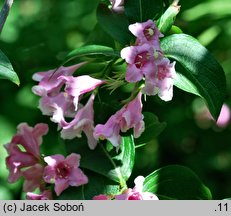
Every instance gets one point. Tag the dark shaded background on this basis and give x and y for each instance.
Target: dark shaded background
(39, 33)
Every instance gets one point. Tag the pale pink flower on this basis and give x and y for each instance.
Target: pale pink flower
(76, 86)
(59, 107)
(161, 82)
(140, 60)
(49, 84)
(83, 121)
(137, 192)
(146, 33)
(45, 195)
(205, 120)
(29, 139)
(224, 117)
(130, 116)
(64, 172)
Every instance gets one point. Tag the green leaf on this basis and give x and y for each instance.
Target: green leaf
(6, 69)
(202, 74)
(167, 19)
(91, 50)
(152, 128)
(105, 160)
(142, 10)
(177, 183)
(115, 24)
(97, 184)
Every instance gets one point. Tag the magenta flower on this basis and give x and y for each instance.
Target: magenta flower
(76, 86)
(49, 84)
(30, 139)
(64, 172)
(146, 33)
(45, 195)
(83, 121)
(140, 60)
(137, 192)
(33, 178)
(129, 116)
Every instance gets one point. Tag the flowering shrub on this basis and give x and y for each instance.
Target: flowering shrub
(100, 123)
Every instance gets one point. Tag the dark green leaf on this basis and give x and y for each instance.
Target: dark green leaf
(167, 19)
(115, 24)
(105, 160)
(97, 184)
(152, 128)
(177, 183)
(202, 74)
(6, 69)
(91, 50)
(142, 10)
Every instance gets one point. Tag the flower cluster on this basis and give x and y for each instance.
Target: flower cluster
(62, 98)
(146, 60)
(25, 161)
(65, 104)
(130, 194)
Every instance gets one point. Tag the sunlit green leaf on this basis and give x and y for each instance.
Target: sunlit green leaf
(6, 69)
(91, 50)
(177, 183)
(202, 74)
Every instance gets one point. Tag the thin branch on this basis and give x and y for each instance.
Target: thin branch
(4, 12)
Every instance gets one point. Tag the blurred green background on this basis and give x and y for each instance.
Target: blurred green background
(39, 33)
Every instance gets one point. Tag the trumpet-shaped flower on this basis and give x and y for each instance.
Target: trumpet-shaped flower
(49, 84)
(140, 61)
(83, 121)
(23, 149)
(129, 116)
(64, 172)
(76, 86)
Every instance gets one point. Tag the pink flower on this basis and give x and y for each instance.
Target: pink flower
(140, 60)
(49, 84)
(83, 121)
(129, 116)
(76, 86)
(162, 80)
(205, 120)
(224, 117)
(45, 195)
(137, 192)
(146, 33)
(101, 197)
(64, 172)
(59, 107)
(23, 149)
(33, 178)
